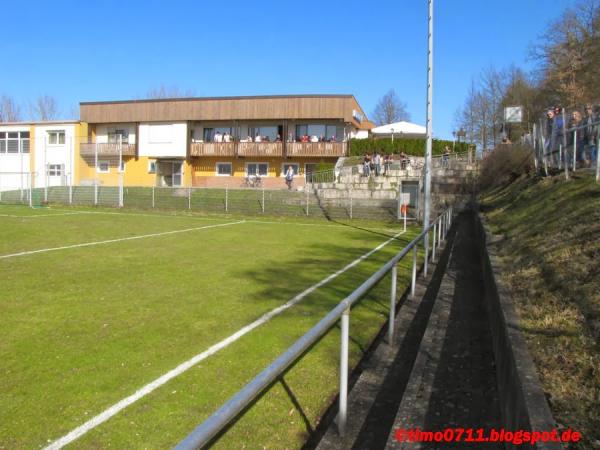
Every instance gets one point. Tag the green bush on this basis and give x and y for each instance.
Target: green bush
(413, 147)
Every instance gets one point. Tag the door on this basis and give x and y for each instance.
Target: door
(170, 173)
(56, 174)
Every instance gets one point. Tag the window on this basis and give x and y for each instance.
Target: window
(295, 167)
(151, 166)
(103, 167)
(224, 169)
(56, 137)
(261, 169)
(14, 141)
(55, 170)
(113, 136)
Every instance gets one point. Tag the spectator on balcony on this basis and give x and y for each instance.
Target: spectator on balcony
(289, 177)
(278, 138)
(258, 138)
(332, 139)
(218, 137)
(226, 137)
(304, 138)
(314, 138)
(291, 137)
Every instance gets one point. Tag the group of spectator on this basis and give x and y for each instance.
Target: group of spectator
(580, 134)
(372, 164)
(314, 138)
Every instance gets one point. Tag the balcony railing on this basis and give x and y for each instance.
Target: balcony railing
(106, 149)
(333, 149)
(260, 149)
(212, 149)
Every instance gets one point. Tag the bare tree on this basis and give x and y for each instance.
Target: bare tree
(44, 108)
(163, 91)
(9, 110)
(390, 109)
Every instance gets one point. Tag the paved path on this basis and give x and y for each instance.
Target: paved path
(441, 373)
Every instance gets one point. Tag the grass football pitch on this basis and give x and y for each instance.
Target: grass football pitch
(96, 304)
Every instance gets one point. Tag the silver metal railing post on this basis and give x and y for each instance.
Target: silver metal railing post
(343, 405)
(153, 197)
(263, 200)
(413, 283)
(189, 198)
(440, 231)
(227, 198)
(433, 243)
(574, 150)
(426, 249)
(392, 305)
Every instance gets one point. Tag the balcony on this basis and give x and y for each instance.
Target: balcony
(106, 149)
(319, 149)
(212, 149)
(260, 149)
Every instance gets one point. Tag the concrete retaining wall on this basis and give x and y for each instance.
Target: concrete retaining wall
(522, 400)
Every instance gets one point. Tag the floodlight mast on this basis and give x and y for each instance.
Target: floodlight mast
(428, 146)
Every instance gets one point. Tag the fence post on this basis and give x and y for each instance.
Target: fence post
(46, 177)
(96, 174)
(350, 191)
(566, 164)
(263, 200)
(189, 198)
(71, 190)
(31, 189)
(0, 187)
(226, 197)
(559, 156)
(413, 283)
(120, 143)
(342, 414)
(392, 305)
(426, 248)
(598, 155)
(153, 196)
(574, 150)
(433, 243)
(440, 219)
(307, 197)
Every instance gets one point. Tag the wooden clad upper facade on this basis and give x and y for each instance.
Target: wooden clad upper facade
(296, 107)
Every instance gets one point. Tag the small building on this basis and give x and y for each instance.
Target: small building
(38, 154)
(399, 130)
(214, 141)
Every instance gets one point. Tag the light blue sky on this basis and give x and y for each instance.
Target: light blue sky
(86, 51)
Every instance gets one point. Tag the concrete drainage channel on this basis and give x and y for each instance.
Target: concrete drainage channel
(459, 361)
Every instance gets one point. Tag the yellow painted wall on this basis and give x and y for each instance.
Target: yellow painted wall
(207, 167)
(136, 171)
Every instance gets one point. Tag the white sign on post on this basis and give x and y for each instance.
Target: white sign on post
(513, 114)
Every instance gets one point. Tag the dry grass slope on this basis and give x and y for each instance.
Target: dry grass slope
(552, 253)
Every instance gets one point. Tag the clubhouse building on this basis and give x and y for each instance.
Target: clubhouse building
(218, 141)
(203, 142)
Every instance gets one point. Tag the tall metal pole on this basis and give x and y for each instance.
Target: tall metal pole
(428, 147)
(120, 170)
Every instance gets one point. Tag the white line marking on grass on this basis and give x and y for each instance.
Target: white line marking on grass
(147, 389)
(110, 241)
(35, 216)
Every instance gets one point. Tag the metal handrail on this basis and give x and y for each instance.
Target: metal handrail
(211, 427)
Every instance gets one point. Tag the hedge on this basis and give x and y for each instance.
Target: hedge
(413, 147)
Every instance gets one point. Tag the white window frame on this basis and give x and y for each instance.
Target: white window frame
(51, 133)
(221, 174)
(100, 162)
(152, 166)
(257, 164)
(284, 167)
(52, 172)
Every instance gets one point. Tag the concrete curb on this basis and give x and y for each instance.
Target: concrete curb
(522, 400)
